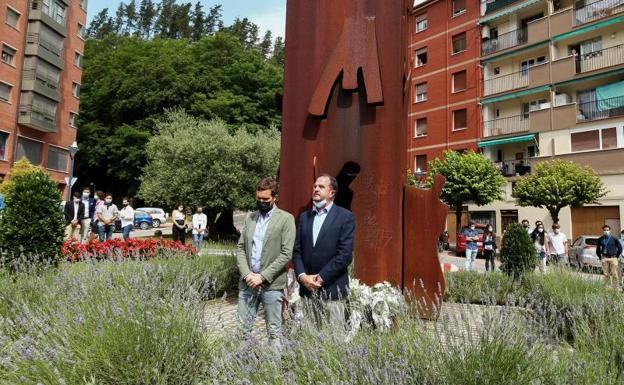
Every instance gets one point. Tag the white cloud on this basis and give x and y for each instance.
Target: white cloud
(271, 18)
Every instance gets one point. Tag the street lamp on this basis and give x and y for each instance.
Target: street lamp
(73, 149)
(420, 176)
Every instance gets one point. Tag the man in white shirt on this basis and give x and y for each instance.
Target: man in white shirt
(558, 243)
(106, 214)
(200, 228)
(89, 214)
(126, 214)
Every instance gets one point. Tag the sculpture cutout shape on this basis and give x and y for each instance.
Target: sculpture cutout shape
(344, 112)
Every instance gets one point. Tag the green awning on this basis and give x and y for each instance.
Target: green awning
(513, 139)
(610, 96)
(592, 77)
(588, 28)
(515, 51)
(515, 95)
(508, 11)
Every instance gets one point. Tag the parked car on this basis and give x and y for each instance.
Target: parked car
(583, 252)
(159, 216)
(142, 220)
(460, 242)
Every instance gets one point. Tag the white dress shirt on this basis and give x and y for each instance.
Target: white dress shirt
(319, 219)
(127, 216)
(200, 221)
(258, 240)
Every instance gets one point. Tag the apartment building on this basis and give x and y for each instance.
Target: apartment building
(42, 44)
(553, 86)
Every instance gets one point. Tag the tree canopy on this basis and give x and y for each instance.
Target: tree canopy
(557, 184)
(203, 162)
(470, 177)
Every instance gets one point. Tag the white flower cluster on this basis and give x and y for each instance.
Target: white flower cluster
(377, 305)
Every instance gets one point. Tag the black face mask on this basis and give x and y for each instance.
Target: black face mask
(263, 207)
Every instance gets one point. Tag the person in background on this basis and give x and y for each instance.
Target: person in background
(609, 250)
(89, 213)
(99, 201)
(73, 211)
(558, 245)
(472, 237)
(107, 214)
(126, 214)
(200, 228)
(489, 248)
(541, 246)
(527, 226)
(179, 224)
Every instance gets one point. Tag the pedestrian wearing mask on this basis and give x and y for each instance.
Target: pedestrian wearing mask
(107, 214)
(489, 248)
(200, 228)
(558, 245)
(89, 213)
(74, 211)
(472, 237)
(95, 228)
(126, 214)
(179, 224)
(608, 251)
(541, 246)
(527, 226)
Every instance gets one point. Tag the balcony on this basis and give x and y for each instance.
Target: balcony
(603, 109)
(37, 118)
(504, 41)
(597, 10)
(57, 23)
(534, 76)
(39, 46)
(40, 83)
(498, 4)
(506, 126)
(604, 162)
(516, 167)
(603, 58)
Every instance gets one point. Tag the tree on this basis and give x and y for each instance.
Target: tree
(32, 224)
(132, 18)
(517, 251)
(166, 13)
(101, 25)
(278, 52)
(20, 168)
(199, 22)
(557, 184)
(245, 30)
(213, 21)
(470, 177)
(201, 162)
(118, 24)
(266, 44)
(147, 13)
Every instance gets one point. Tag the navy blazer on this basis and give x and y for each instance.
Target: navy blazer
(332, 254)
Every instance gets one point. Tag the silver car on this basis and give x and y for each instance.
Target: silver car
(159, 216)
(583, 252)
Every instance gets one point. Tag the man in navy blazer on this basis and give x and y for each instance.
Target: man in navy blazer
(324, 247)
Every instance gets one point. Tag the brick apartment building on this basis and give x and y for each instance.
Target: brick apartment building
(545, 79)
(42, 44)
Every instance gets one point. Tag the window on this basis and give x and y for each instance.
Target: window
(421, 22)
(47, 74)
(459, 43)
(12, 17)
(526, 64)
(420, 127)
(493, 33)
(53, 41)
(5, 92)
(459, 7)
(421, 163)
(459, 81)
(421, 92)
(601, 139)
(83, 4)
(496, 70)
(57, 158)
(609, 138)
(76, 90)
(460, 118)
(8, 54)
(3, 143)
(421, 57)
(72, 119)
(53, 8)
(78, 59)
(29, 149)
(80, 31)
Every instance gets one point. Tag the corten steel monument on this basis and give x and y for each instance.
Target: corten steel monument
(344, 112)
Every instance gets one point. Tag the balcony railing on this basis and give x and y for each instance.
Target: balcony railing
(35, 38)
(504, 41)
(498, 4)
(606, 108)
(505, 126)
(597, 10)
(51, 11)
(603, 58)
(46, 81)
(506, 82)
(516, 167)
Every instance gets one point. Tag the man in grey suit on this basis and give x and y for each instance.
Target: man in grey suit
(264, 250)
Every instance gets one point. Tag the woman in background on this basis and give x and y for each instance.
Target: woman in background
(179, 224)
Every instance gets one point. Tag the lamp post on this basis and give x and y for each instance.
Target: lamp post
(73, 149)
(420, 175)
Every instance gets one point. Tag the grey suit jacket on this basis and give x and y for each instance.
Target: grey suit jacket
(276, 251)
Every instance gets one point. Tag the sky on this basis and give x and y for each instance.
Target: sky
(268, 14)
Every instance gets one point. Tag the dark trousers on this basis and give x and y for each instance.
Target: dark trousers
(489, 259)
(178, 233)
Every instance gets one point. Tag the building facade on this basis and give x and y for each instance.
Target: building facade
(42, 44)
(544, 80)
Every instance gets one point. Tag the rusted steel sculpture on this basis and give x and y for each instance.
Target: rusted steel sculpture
(344, 112)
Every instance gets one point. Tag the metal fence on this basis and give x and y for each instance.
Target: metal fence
(504, 41)
(516, 167)
(597, 10)
(605, 108)
(603, 58)
(504, 126)
(506, 82)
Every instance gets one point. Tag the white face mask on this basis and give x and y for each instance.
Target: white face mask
(85, 195)
(320, 204)
(180, 208)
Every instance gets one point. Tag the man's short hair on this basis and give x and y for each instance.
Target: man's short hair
(606, 227)
(556, 226)
(333, 182)
(108, 195)
(525, 221)
(268, 184)
(76, 194)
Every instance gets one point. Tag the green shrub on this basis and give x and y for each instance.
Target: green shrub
(32, 224)
(517, 252)
(471, 287)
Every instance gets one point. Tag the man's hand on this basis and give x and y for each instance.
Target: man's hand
(254, 280)
(310, 282)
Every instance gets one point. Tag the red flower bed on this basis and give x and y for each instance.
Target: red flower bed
(74, 251)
